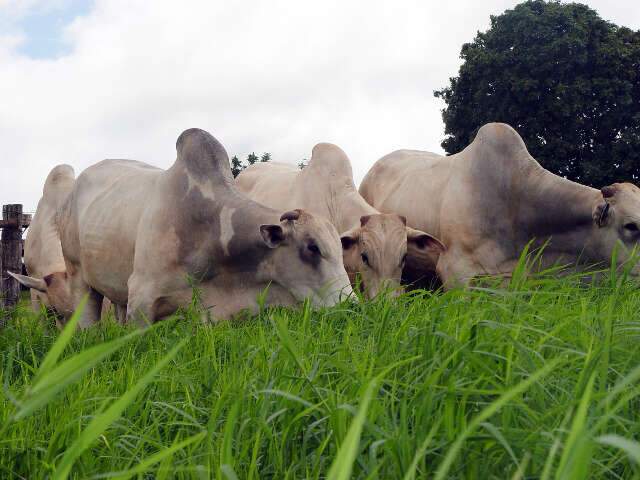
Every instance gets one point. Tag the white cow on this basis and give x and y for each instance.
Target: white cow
(141, 235)
(47, 275)
(490, 200)
(375, 245)
(42, 251)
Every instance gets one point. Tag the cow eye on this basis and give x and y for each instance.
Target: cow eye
(313, 248)
(365, 258)
(631, 227)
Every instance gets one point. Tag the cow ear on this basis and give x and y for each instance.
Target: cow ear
(291, 215)
(601, 214)
(350, 238)
(30, 282)
(423, 241)
(364, 219)
(609, 191)
(273, 235)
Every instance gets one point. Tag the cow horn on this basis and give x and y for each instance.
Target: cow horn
(30, 282)
(291, 215)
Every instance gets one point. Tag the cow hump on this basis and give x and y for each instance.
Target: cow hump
(203, 156)
(330, 159)
(59, 181)
(501, 138)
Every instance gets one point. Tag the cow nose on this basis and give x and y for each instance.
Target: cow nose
(347, 292)
(390, 287)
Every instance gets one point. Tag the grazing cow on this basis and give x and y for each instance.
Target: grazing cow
(42, 251)
(375, 245)
(141, 235)
(43, 258)
(490, 200)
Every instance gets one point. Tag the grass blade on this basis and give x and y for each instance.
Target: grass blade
(102, 421)
(158, 457)
(68, 372)
(60, 344)
(630, 447)
(486, 413)
(575, 444)
(343, 463)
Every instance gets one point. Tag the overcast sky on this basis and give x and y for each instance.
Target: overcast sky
(82, 81)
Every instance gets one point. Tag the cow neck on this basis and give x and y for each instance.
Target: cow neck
(353, 206)
(340, 201)
(248, 252)
(557, 208)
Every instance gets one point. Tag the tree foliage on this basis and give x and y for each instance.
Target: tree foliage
(238, 165)
(565, 79)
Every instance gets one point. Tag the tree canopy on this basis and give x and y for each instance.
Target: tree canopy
(565, 79)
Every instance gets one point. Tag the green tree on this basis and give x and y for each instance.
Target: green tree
(252, 158)
(236, 166)
(566, 80)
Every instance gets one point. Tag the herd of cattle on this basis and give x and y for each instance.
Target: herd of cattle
(143, 237)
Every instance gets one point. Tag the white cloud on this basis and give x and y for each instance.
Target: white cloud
(274, 76)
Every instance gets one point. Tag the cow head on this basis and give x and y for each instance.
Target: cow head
(54, 291)
(307, 259)
(617, 217)
(380, 246)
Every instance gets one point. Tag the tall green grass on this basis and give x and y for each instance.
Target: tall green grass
(538, 379)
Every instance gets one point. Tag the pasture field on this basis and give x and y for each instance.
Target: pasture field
(539, 379)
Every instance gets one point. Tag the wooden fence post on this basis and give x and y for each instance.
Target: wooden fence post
(2, 312)
(12, 224)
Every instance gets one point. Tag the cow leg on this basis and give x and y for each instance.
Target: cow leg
(139, 312)
(93, 308)
(121, 313)
(457, 269)
(150, 301)
(35, 300)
